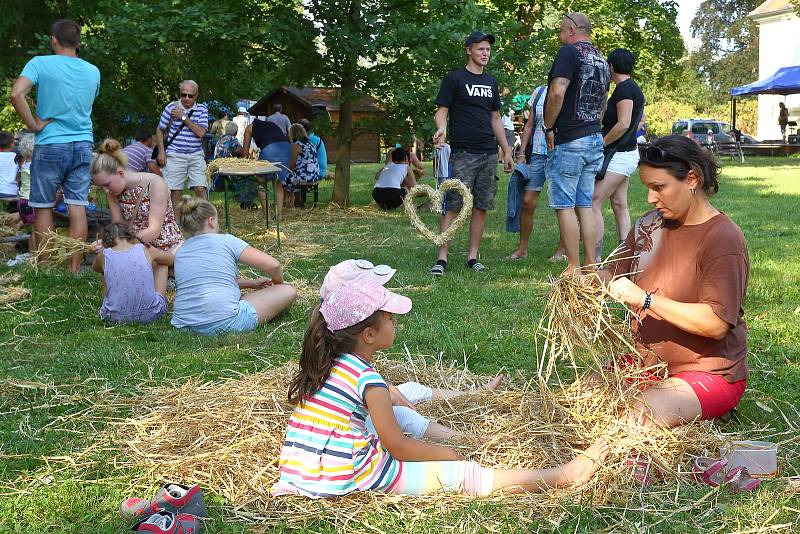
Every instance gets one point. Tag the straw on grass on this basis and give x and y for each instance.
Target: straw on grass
(10, 278)
(57, 248)
(10, 294)
(227, 435)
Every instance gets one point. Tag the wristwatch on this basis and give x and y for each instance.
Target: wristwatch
(545, 129)
(183, 118)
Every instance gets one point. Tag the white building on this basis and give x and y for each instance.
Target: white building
(778, 46)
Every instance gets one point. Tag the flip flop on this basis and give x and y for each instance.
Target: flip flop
(512, 257)
(739, 480)
(555, 258)
(710, 470)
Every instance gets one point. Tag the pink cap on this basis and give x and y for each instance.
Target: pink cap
(355, 271)
(352, 303)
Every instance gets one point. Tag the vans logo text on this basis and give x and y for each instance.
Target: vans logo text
(479, 90)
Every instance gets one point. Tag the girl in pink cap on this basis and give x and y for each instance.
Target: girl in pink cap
(404, 396)
(328, 450)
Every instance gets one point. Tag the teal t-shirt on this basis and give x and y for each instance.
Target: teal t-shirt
(66, 88)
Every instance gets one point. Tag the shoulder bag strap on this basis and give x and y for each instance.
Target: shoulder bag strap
(181, 127)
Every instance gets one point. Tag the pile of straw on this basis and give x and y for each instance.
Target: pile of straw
(226, 436)
(56, 248)
(436, 197)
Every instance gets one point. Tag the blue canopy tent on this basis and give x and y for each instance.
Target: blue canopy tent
(785, 81)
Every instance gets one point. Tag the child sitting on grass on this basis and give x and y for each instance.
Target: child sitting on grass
(134, 277)
(208, 296)
(328, 450)
(404, 396)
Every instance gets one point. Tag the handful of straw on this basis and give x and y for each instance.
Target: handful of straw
(583, 325)
(58, 248)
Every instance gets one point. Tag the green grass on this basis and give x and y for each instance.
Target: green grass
(488, 321)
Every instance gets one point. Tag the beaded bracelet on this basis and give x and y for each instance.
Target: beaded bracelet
(648, 299)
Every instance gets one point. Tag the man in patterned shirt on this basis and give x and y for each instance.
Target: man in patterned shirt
(180, 150)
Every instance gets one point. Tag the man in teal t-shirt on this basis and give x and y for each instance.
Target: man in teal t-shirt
(66, 87)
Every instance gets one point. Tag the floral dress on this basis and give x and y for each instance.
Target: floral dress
(171, 235)
(306, 167)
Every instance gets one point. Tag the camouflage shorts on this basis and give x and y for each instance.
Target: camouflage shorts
(479, 173)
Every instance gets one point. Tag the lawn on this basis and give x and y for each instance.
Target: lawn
(488, 321)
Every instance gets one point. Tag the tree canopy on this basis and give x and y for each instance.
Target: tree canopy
(395, 50)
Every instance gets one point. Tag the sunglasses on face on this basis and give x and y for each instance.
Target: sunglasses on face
(187, 95)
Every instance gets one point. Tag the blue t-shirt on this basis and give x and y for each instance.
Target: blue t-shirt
(322, 154)
(206, 279)
(66, 89)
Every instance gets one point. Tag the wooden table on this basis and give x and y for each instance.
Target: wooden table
(270, 172)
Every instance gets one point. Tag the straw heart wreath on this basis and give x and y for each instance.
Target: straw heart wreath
(436, 197)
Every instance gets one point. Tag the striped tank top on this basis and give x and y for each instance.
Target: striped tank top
(328, 451)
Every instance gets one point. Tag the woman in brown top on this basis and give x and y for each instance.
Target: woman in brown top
(684, 269)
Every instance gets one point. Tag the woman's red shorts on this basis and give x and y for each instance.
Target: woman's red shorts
(717, 396)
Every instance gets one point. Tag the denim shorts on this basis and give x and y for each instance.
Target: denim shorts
(535, 177)
(571, 169)
(279, 152)
(63, 165)
(244, 321)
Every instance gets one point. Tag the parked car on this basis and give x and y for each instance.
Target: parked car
(698, 129)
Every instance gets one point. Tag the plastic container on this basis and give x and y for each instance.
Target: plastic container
(759, 457)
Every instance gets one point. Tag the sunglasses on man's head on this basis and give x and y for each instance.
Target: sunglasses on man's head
(187, 95)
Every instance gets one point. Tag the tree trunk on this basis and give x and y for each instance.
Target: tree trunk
(344, 141)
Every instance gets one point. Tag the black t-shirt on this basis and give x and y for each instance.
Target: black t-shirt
(470, 100)
(266, 133)
(587, 71)
(625, 90)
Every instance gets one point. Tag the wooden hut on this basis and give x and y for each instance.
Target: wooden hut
(308, 102)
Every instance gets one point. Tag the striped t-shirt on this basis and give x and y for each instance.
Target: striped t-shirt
(328, 451)
(138, 156)
(186, 142)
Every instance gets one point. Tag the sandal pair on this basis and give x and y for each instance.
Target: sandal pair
(714, 472)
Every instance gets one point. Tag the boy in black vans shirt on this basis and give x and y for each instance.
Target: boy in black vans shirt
(469, 100)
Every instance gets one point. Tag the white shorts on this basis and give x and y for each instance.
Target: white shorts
(624, 163)
(415, 392)
(179, 167)
(409, 421)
